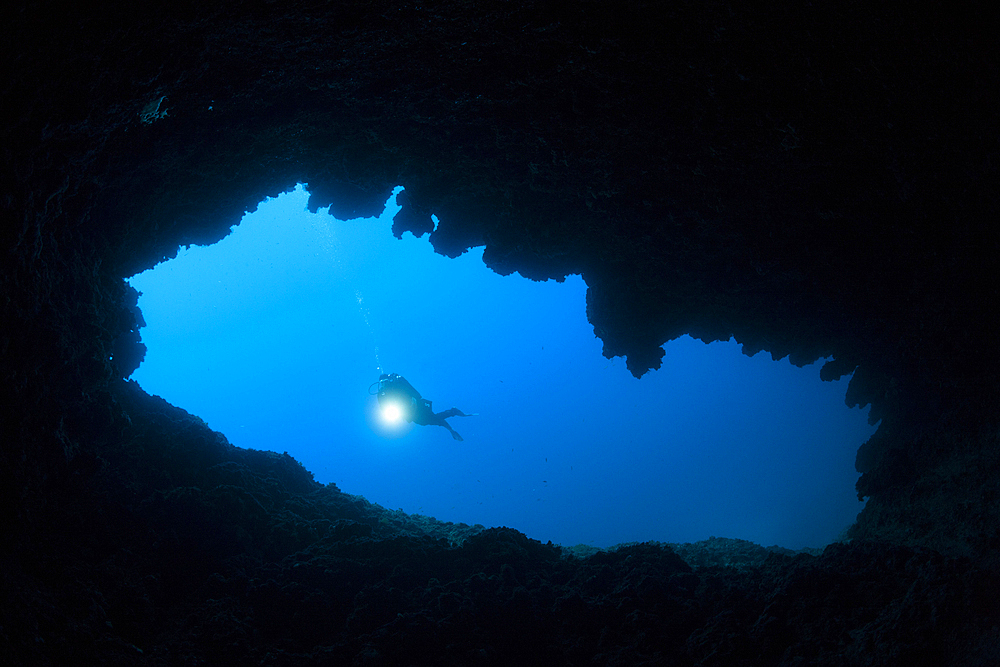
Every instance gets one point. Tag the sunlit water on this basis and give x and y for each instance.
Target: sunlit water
(274, 335)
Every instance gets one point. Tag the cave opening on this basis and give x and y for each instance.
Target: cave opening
(273, 335)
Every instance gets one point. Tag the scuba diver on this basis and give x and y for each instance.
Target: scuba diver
(394, 392)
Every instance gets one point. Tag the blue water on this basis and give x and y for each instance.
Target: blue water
(274, 335)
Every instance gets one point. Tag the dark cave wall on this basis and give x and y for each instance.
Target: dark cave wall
(815, 181)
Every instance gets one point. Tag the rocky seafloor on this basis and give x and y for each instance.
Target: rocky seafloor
(212, 554)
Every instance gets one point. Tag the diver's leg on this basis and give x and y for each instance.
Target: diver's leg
(439, 419)
(453, 412)
(453, 432)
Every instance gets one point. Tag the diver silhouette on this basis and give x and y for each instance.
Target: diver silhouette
(393, 389)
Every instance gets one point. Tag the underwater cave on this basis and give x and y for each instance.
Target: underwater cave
(818, 183)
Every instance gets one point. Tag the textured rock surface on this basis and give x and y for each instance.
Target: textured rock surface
(815, 181)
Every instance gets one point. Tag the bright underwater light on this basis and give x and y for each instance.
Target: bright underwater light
(392, 413)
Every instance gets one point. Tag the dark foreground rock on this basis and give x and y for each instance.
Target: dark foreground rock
(211, 554)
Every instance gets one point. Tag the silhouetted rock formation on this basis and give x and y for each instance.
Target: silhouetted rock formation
(815, 180)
